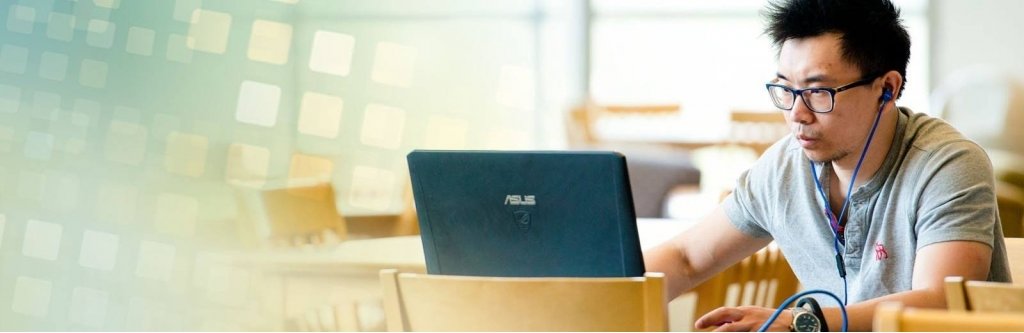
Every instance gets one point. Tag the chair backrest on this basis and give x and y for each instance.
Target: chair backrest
(420, 302)
(983, 90)
(301, 211)
(583, 119)
(1010, 200)
(893, 317)
(757, 129)
(763, 279)
(983, 296)
(289, 216)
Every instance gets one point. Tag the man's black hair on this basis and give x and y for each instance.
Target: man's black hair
(871, 32)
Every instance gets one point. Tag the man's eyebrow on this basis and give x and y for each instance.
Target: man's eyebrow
(817, 79)
(810, 80)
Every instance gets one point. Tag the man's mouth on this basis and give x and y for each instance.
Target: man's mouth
(806, 141)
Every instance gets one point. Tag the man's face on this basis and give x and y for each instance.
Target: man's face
(818, 62)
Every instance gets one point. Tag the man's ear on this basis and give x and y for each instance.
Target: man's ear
(893, 82)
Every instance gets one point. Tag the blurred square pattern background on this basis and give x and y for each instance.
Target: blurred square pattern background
(135, 133)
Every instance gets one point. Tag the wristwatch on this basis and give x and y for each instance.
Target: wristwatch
(807, 317)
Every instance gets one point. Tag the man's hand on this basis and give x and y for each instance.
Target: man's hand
(744, 319)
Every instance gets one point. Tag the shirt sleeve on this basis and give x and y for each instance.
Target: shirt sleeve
(957, 201)
(744, 212)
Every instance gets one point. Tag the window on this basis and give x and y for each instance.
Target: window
(685, 51)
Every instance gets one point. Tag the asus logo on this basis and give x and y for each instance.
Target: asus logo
(520, 200)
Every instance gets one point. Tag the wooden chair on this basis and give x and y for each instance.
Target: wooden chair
(583, 119)
(763, 279)
(1010, 200)
(757, 130)
(295, 216)
(303, 213)
(1007, 166)
(983, 296)
(1015, 255)
(420, 302)
(989, 90)
(892, 317)
(405, 223)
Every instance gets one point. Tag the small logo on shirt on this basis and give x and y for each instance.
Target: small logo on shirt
(880, 252)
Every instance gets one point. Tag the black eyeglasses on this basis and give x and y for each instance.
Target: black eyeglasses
(820, 100)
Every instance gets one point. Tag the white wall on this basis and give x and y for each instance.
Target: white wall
(966, 33)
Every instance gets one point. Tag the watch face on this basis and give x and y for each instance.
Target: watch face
(806, 322)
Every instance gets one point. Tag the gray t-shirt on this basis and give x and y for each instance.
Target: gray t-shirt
(934, 186)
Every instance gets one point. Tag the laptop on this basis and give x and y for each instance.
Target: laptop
(526, 213)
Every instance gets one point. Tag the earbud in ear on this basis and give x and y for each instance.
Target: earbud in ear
(886, 95)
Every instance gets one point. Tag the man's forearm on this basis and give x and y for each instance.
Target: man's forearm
(862, 314)
(677, 269)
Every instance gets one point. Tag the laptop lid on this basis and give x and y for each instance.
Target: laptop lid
(526, 213)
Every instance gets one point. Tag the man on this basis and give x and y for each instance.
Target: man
(922, 205)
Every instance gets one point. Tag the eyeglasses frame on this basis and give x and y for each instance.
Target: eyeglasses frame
(832, 93)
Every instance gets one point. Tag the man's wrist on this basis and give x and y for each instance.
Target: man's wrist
(807, 317)
(786, 316)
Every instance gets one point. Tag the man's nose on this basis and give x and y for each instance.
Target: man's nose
(800, 112)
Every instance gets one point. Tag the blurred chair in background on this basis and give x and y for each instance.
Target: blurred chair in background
(420, 302)
(679, 142)
(290, 216)
(1010, 200)
(986, 104)
(751, 132)
(318, 271)
(654, 176)
(584, 120)
(1009, 173)
(656, 170)
(304, 213)
(404, 223)
(757, 130)
(1008, 167)
(893, 317)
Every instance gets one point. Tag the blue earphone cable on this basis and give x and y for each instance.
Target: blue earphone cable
(835, 237)
(834, 222)
(775, 315)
